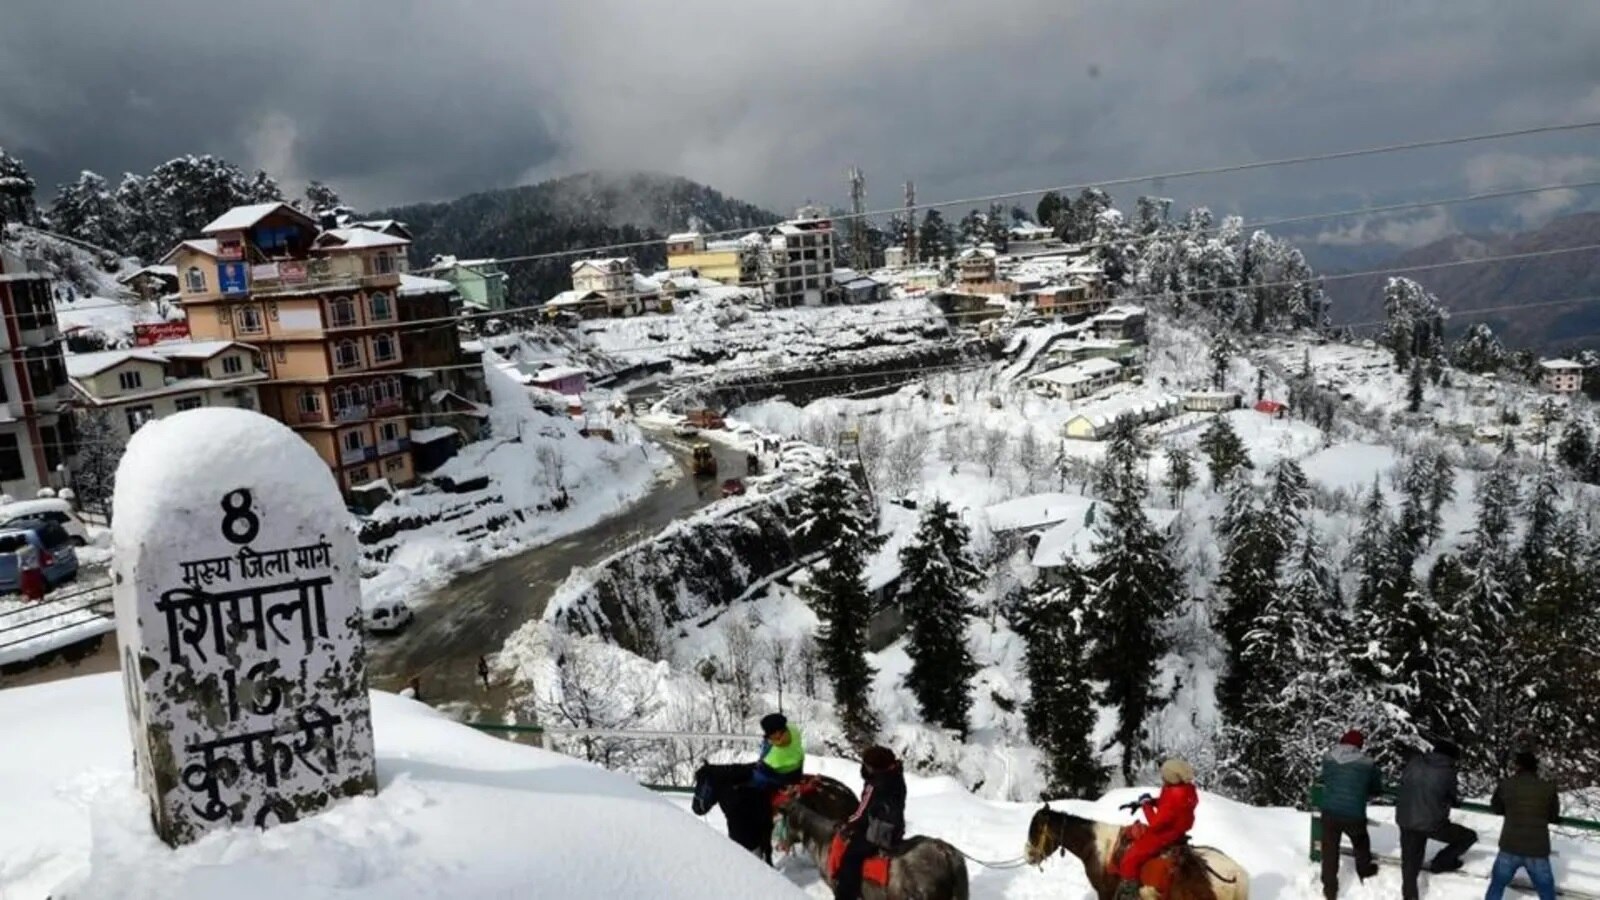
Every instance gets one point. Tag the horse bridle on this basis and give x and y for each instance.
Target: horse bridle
(1038, 849)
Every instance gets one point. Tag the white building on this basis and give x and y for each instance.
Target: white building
(1095, 422)
(612, 277)
(1080, 379)
(802, 259)
(1562, 375)
(146, 383)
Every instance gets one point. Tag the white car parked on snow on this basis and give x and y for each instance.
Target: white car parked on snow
(49, 510)
(386, 616)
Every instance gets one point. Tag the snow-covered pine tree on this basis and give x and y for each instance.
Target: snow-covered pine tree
(1134, 588)
(1479, 350)
(1221, 356)
(1288, 494)
(88, 210)
(1426, 485)
(935, 238)
(844, 530)
(1543, 522)
(1060, 712)
(1369, 555)
(1575, 448)
(1180, 473)
(938, 573)
(1414, 326)
(1555, 656)
(1225, 452)
(1253, 551)
(1414, 387)
(16, 191)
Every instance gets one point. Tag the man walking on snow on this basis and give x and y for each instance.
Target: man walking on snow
(1349, 779)
(1428, 790)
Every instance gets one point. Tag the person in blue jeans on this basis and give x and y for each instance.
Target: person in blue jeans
(1530, 806)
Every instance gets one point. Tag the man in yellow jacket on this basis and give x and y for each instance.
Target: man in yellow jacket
(783, 757)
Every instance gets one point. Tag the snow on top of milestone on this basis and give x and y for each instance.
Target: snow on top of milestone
(191, 458)
(458, 814)
(242, 217)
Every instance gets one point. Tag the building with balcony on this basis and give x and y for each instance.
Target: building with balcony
(479, 282)
(36, 432)
(1563, 376)
(733, 263)
(322, 308)
(802, 259)
(135, 386)
(443, 384)
(611, 278)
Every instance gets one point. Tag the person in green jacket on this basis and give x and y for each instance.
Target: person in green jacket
(783, 757)
(1349, 779)
(1530, 806)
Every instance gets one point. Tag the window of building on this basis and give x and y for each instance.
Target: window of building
(138, 415)
(383, 264)
(183, 403)
(346, 355)
(10, 458)
(129, 381)
(195, 280)
(341, 312)
(358, 394)
(389, 431)
(351, 440)
(249, 320)
(54, 449)
(382, 310)
(383, 348)
(341, 398)
(360, 475)
(394, 464)
(41, 374)
(232, 365)
(309, 402)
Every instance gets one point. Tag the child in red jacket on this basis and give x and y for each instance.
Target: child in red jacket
(1170, 816)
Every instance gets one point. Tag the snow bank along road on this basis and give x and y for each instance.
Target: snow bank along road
(475, 613)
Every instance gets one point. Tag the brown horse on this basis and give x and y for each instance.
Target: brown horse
(921, 868)
(1202, 873)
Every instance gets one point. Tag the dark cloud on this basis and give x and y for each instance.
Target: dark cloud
(394, 100)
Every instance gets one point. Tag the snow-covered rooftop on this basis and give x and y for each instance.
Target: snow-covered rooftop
(1561, 365)
(167, 271)
(413, 285)
(1111, 409)
(604, 264)
(681, 236)
(1079, 372)
(87, 365)
(556, 373)
(242, 217)
(1036, 510)
(429, 435)
(357, 239)
(195, 349)
(1074, 538)
(208, 246)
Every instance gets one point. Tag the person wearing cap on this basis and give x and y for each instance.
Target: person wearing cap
(1530, 806)
(1349, 779)
(879, 822)
(1169, 818)
(783, 757)
(1428, 789)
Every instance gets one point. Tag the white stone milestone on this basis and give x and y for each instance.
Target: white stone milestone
(239, 622)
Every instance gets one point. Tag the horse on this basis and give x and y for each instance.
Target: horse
(1201, 873)
(748, 810)
(921, 868)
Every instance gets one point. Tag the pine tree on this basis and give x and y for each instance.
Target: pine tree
(1060, 712)
(1542, 525)
(99, 451)
(938, 574)
(1221, 355)
(16, 191)
(1479, 350)
(935, 239)
(1483, 608)
(1249, 577)
(1427, 485)
(1414, 389)
(1555, 658)
(89, 211)
(1180, 473)
(1369, 554)
(1134, 588)
(1225, 452)
(1049, 210)
(835, 522)
(1575, 448)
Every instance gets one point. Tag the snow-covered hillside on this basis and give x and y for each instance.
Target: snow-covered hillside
(458, 814)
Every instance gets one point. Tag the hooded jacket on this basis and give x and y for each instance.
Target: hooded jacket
(1349, 779)
(1427, 792)
(883, 807)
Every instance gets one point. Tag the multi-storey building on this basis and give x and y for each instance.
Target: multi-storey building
(36, 433)
(733, 263)
(144, 383)
(802, 259)
(322, 308)
(480, 282)
(1562, 375)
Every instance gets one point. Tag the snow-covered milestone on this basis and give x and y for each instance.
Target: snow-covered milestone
(238, 615)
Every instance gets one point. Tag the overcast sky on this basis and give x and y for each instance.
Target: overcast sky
(399, 100)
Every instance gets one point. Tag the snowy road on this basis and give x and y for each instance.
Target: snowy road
(474, 614)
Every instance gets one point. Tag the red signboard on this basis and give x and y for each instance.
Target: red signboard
(156, 332)
(230, 247)
(292, 271)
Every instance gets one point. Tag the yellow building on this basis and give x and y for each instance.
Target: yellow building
(322, 310)
(729, 262)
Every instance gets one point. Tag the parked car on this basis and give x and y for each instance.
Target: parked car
(386, 616)
(685, 431)
(50, 510)
(733, 487)
(60, 562)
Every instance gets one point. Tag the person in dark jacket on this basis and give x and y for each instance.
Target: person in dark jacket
(877, 825)
(1349, 779)
(1530, 806)
(1428, 790)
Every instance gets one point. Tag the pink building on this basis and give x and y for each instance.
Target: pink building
(567, 380)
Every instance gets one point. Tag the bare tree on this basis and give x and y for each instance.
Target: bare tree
(741, 656)
(904, 460)
(806, 658)
(993, 449)
(780, 657)
(593, 692)
(554, 465)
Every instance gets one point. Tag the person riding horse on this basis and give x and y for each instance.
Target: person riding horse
(1169, 816)
(783, 757)
(877, 825)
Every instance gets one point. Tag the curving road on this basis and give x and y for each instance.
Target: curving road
(474, 614)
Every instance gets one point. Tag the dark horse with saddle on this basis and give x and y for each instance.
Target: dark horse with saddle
(751, 811)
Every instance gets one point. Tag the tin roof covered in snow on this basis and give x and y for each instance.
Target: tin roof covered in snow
(241, 218)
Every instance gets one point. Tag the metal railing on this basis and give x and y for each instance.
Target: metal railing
(1588, 825)
(547, 735)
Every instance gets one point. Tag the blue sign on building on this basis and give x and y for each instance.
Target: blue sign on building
(233, 278)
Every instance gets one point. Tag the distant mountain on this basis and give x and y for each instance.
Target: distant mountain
(585, 210)
(1464, 289)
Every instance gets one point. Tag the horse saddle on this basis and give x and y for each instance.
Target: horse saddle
(875, 870)
(1156, 875)
(809, 784)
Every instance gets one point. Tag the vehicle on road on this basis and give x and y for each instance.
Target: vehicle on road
(59, 560)
(733, 487)
(49, 510)
(386, 616)
(704, 461)
(685, 431)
